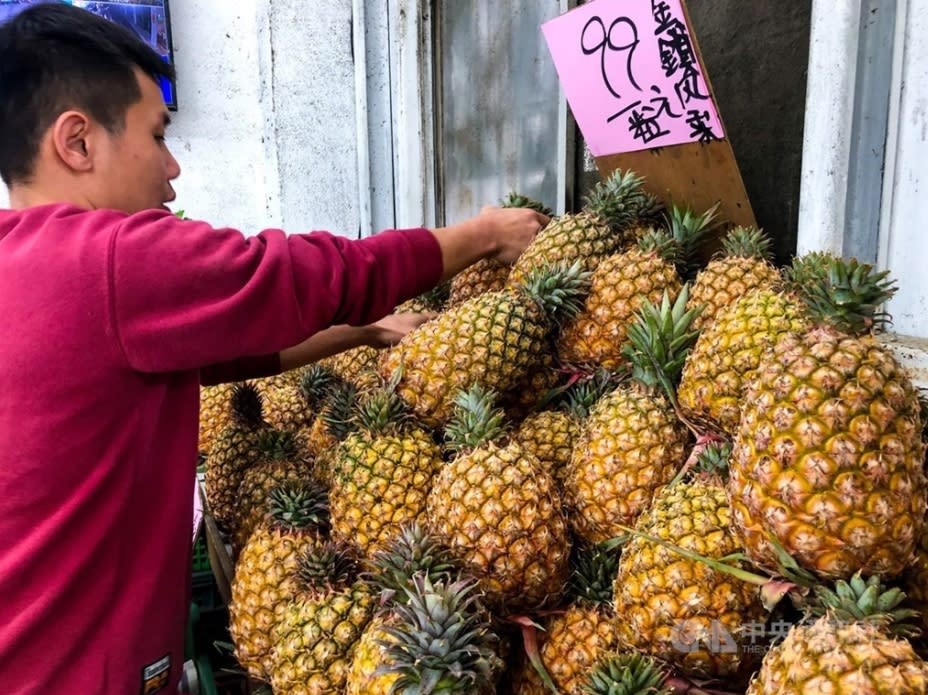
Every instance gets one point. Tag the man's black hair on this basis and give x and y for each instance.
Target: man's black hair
(55, 57)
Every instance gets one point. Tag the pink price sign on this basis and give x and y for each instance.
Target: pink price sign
(631, 75)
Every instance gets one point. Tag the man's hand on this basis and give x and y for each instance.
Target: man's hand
(390, 329)
(513, 229)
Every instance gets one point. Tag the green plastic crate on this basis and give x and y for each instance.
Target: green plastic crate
(200, 557)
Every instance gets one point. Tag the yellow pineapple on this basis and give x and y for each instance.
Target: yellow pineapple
(550, 435)
(857, 646)
(632, 442)
(498, 511)
(264, 573)
(602, 228)
(382, 474)
(357, 366)
(828, 459)
(234, 450)
(495, 339)
(678, 609)
(315, 638)
(281, 462)
(729, 350)
(215, 413)
(575, 639)
(622, 282)
(743, 265)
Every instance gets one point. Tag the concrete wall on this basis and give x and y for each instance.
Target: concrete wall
(265, 132)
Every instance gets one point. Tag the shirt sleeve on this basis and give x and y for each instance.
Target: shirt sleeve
(184, 295)
(240, 369)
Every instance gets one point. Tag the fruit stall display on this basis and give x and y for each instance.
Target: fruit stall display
(609, 468)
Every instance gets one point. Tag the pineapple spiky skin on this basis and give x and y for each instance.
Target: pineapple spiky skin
(356, 366)
(618, 288)
(828, 457)
(916, 579)
(744, 266)
(549, 436)
(675, 608)
(487, 275)
(285, 407)
(315, 640)
(500, 513)
(234, 450)
(215, 413)
(494, 339)
(381, 482)
(729, 350)
(829, 656)
(632, 444)
(370, 660)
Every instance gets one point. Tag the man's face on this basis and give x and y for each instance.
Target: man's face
(134, 168)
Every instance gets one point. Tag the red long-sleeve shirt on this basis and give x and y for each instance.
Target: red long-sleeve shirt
(106, 321)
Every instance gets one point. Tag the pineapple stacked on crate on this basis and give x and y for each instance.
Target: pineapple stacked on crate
(583, 401)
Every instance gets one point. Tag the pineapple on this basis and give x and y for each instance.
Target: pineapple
(856, 646)
(499, 511)
(532, 389)
(315, 639)
(495, 339)
(626, 674)
(215, 413)
(550, 435)
(828, 459)
(335, 419)
(234, 450)
(286, 407)
(442, 641)
(576, 638)
(264, 573)
(744, 265)
(391, 571)
(729, 350)
(489, 275)
(382, 474)
(633, 441)
(623, 281)
(602, 228)
(281, 462)
(433, 301)
(673, 607)
(357, 366)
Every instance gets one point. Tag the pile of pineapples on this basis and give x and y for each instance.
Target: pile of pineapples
(606, 468)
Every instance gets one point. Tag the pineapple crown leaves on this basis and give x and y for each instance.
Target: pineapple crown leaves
(382, 411)
(659, 340)
(618, 199)
(747, 242)
(328, 567)
(651, 212)
(430, 300)
(593, 575)
(279, 445)
(316, 384)
(689, 229)
(475, 420)
(662, 244)
(585, 393)
(517, 200)
(247, 405)
(714, 459)
(340, 414)
(412, 551)
(558, 288)
(625, 674)
(846, 295)
(865, 600)
(806, 269)
(299, 506)
(442, 641)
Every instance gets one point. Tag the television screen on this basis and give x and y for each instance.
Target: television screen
(148, 19)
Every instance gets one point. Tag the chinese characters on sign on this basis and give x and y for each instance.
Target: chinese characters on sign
(631, 75)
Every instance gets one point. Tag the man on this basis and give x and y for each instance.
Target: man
(112, 309)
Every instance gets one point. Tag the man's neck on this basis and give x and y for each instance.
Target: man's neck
(24, 196)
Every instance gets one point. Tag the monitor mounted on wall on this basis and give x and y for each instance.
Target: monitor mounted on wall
(150, 20)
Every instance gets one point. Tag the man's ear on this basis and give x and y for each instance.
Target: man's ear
(71, 135)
